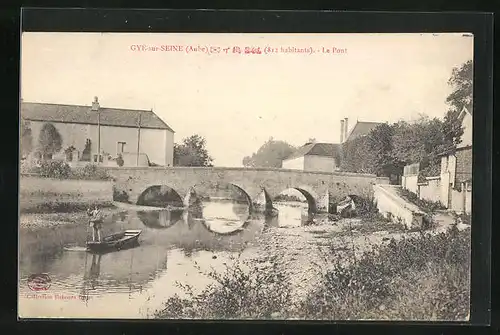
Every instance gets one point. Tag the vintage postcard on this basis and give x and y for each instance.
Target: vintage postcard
(245, 176)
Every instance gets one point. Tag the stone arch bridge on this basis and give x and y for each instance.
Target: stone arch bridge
(255, 183)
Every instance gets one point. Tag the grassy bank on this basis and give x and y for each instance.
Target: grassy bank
(423, 277)
(46, 195)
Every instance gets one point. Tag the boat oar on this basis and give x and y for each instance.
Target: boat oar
(77, 248)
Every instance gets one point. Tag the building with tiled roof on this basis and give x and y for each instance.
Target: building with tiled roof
(136, 135)
(321, 157)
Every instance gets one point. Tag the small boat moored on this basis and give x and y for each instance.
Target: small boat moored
(123, 240)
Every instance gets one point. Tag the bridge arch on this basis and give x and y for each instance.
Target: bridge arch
(192, 197)
(309, 194)
(159, 196)
(243, 192)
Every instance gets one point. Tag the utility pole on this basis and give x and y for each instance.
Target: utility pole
(95, 108)
(98, 137)
(139, 137)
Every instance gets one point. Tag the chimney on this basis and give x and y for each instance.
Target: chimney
(341, 131)
(95, 105)
(346, 128)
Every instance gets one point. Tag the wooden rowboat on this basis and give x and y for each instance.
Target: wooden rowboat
(123, 240)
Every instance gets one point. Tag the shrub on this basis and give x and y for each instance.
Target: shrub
(53, 169)
(90, 172)
(119, 160)
(120, 195)
(366, 207)
(421, 278)
(246, 290)
(426, 205)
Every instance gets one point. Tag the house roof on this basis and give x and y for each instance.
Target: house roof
(316, 149)
(361, 129)
(83, 114)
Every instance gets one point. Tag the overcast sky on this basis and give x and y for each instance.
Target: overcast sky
(238, 101)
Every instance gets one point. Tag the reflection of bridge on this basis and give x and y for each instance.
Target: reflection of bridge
(315, 186)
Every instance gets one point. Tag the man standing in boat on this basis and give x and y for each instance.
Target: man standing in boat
(95, 222)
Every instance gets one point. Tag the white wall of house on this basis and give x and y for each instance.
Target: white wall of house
(72, 134)
(449, 165)
(311, 163)
(151, 145)
(468, 199)
(157, 144)
(294, 164)
(467, 135)
(169, 148)
(319, 163)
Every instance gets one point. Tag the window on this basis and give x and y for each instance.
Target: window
(120, 147)
(100, 158)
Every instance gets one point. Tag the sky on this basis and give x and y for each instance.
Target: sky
(238, 101)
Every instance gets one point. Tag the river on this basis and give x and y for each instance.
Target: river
(134, 283)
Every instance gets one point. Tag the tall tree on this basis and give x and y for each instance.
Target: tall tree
(419, 142)
(49, 141)
(192, 152)
(379, 155)
(461, 81)
(270, 154)
(26, 139)
(356, 156)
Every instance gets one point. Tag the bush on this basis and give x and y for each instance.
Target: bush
(426, 205)
(61, 170)
(118, 195)
(119, 160)
(53, 169)
(90, 172)
(257, 289)
(420, 278)
(366, 208)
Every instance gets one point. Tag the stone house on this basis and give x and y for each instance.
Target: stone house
(320, 157)
(98, 134)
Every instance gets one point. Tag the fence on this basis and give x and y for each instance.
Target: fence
(439, 189)
(431, 189)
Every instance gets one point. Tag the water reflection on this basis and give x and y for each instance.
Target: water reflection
(160, 219)
(169, 237)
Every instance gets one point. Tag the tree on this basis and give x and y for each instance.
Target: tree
(356, 156)
(420, 142)
(26, 139)
(49, 141)
(270, 154)
(461, 81)
(380, 149)
(452, 128)
(192, 152)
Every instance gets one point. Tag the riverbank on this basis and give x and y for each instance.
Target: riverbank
(34, 221)
(345, 271)
(50, 195)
